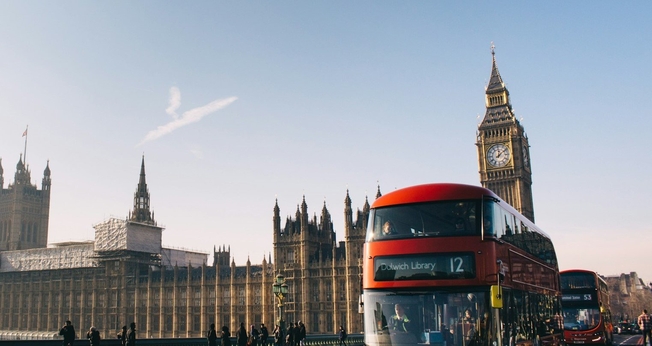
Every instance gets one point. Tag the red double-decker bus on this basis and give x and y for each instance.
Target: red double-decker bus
(454, 265)
(585, 306)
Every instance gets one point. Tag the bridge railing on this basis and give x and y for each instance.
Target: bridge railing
(311, 340)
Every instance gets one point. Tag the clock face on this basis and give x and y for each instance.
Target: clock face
(498, 155)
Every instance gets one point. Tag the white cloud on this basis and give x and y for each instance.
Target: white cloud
(175, 102)
(188, 117)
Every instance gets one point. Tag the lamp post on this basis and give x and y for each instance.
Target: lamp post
(280, 289)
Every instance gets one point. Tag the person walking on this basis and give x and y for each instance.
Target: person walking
(646, 326)
(289, 335)
(278, 336)
(302, 334)
(93, 337)
(211, 335)
(342, 336)
(241, 335)
(264, 334)
(254, 335)
(68, 333)
(131, 334)
(122, 335)
(225, 336)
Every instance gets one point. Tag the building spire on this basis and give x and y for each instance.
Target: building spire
(495, 80)
(497, 101)
(141, 212)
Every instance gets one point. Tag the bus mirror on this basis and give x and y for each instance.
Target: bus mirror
(496, 297)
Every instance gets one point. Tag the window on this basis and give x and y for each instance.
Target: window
(432, 219)
(241, 296)
(89, 300)
(101, 300)
(182, 323)
(169, 296)
(196, 297)
(328, 289)
(257, 296)
(315, 291)
(226, 296)
(168, 323)
(196, 323)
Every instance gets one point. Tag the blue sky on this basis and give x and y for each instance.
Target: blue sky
(235, 104)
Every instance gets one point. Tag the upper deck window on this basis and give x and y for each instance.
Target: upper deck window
(448, 218)
(577, 280)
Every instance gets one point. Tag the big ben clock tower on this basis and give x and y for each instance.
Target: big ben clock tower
(503, 149)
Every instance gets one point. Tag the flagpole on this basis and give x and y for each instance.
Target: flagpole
(25, 152)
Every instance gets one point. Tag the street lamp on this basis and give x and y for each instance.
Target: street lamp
(280, 289)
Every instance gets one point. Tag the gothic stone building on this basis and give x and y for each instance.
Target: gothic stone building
(126, 275)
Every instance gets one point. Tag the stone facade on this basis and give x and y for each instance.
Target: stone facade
(126, 275)
(628, 296)
(24, 210)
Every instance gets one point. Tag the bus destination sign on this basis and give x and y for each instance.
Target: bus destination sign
(585, 297)
(425, 267)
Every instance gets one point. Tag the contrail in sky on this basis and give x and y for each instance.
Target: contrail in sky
(175, 102)
(188, 117)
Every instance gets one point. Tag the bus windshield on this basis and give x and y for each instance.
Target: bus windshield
(581, 319)
(426, 317)
(447, 218)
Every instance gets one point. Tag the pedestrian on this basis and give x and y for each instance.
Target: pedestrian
(278, 336)
(131, 334)
(264, 334)
(289, 336)
(254, 335)
(68, 332)
(342, 336)
(646, 326)
(302, 334)
(211, 335)
(225, 336)
(122, 335)
(241, 335)
(93, 337)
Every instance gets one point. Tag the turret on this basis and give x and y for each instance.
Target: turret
(276, 220)
(22, 176)
(325, 219)
(45, 184)
(141, 212)
(304, 216)
(348, 213)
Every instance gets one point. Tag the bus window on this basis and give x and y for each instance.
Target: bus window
(490, 215)
(447, 218)
(456, 318)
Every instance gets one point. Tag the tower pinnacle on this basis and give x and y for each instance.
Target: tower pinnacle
(141, 212)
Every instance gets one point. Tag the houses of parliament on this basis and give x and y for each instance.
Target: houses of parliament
(125, 274)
